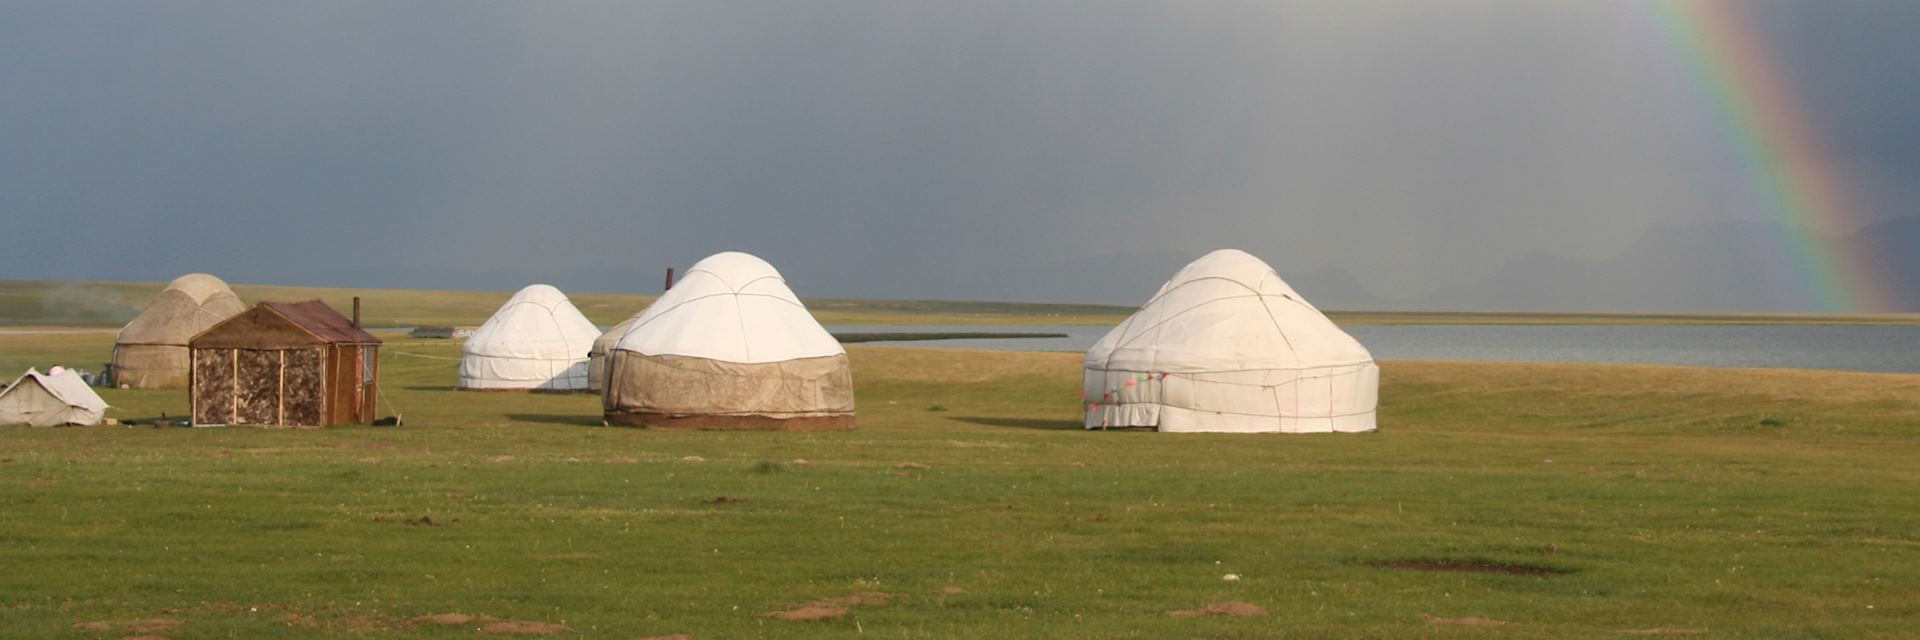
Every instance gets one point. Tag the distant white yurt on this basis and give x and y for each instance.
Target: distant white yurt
(1227, 346)
(151, 351)
(50, 400)
(597, 356)
(537, 341)
(729, 347)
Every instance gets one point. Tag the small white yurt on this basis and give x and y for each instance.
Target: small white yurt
(151, 351)
(1227, 346)
(729, 347)
(50, 400)
(537, 341)
(597, 356)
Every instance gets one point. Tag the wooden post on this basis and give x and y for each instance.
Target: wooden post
(280, 401)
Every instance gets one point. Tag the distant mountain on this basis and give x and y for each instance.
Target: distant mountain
(1709, 267)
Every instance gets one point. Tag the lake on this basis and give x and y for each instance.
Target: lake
(1849, 347)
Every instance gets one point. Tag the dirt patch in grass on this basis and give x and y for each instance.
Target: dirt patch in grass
(952, 591)
(154, 625)
(449, 619)
(525, 628)
(1471, 621)
(99, 625)
(724, 500)
(1472, 566)
(1228, 608)
(1663, 631)
(677, 636)
(828, 608)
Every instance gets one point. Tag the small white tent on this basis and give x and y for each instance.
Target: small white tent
(536, 341)
(1227, 346)
(729, 347)
(50, 400)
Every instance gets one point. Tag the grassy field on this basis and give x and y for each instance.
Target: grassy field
(1732, 503)
(102, 304)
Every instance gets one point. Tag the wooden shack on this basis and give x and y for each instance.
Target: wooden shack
(295, 364)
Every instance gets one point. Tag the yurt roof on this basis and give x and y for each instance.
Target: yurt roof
(1227, 311)
(731, 307)
(604, 344)
(188, 305)
(200, 286)
(538, 322)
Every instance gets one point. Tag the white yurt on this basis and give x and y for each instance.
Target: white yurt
(1227, 346)
(729, 347)
(52, 399)
(537, 341)
(151, 351)
(597, 356)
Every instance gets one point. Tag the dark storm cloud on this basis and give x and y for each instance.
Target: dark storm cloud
(1018, 150)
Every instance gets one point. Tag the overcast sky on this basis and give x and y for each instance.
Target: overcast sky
(1072, 151)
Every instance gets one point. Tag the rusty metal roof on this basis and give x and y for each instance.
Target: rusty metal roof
(322, 321)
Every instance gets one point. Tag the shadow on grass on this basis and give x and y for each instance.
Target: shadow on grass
(574, 419)
(1022, 423)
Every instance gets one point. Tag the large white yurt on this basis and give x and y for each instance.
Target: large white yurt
(1227, 346)
(537, 341)
(151, 351)
(597, 356)
(52, 399)
(729, 347)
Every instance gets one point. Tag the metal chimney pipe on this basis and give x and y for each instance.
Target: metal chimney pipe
(356, 312)
(669, 279)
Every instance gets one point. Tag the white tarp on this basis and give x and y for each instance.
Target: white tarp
(537, 340)
(730, 307)
(50, 400)
(1227, 346)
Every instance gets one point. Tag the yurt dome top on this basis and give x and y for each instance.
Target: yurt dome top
(538, 322)
(200, 286)
(731, 307)
(188, 305)
(1227, 311)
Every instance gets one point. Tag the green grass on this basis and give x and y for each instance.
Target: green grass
(110, 304)
(1757, 504)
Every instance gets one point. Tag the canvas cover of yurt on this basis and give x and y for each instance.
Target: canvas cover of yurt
(729, 347)
(52, 399)
(151, 351)
(597, 356)
(1227, 346)
(537, 341)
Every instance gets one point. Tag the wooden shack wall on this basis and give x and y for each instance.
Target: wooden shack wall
(266, 387)
(304, 389)
(212, 386)
(349, 399)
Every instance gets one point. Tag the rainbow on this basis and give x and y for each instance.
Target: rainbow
(1790, 177)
